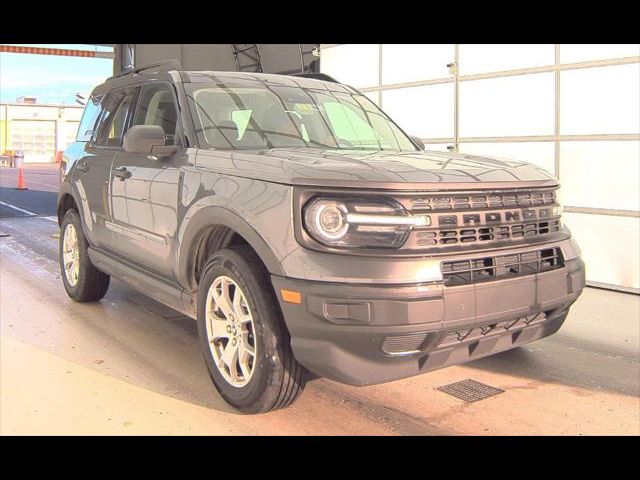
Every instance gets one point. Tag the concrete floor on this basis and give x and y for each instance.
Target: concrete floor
(128, 365)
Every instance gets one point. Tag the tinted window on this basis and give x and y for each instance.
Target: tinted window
(157, 107)
(114, 121)
(88, 123)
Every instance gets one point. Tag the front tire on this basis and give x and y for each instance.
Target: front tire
(82, 281)
(243, 337)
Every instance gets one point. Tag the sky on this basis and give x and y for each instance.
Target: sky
(50, 78)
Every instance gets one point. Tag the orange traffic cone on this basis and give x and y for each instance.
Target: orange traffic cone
(21, 183)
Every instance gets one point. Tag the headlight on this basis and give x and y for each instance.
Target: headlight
(361, 222)
(327, 220)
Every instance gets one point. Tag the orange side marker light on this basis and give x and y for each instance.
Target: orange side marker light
(291, 296)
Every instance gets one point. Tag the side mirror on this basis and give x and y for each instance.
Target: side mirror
(147, 139)
(418, 142)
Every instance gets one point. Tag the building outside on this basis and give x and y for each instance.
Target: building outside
(573, 110)
(38, 130)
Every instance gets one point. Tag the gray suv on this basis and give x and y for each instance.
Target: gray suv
(306, 232)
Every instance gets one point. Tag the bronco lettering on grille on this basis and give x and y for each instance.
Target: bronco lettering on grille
(494, 217)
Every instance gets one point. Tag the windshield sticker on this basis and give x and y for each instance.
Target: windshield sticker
(241, 119)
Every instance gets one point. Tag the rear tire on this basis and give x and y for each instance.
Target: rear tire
(272, 378)
(83, 282)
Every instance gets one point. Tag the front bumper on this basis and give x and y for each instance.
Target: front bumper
(363, 334)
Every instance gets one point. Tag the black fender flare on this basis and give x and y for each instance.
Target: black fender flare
(67, 189)
(210, 216)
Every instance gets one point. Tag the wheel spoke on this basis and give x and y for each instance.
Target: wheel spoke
(238, 300)
(245, 348)
(244, 368)
(218, 328)
(246, 354)
(222, 299)
(230, 356)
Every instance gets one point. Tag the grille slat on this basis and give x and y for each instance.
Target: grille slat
(487, 234)
(494, 200)
(500, 267)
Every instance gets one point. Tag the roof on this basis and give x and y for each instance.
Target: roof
(250, 78)
(175, 75)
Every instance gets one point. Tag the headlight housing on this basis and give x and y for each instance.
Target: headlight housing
(359, 222)
(326, 220)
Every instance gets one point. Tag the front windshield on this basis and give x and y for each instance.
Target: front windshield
(266, 116)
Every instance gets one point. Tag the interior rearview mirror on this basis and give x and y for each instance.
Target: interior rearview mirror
(418, 141)
(149, 140)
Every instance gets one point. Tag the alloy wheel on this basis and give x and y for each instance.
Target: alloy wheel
(71, 254)
(231, 331)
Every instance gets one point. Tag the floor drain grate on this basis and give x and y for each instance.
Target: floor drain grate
(470, 390)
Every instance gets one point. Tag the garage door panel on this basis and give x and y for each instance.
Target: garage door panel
(479, 58)
(609, 247)
(37, 138)
(410, 63)
(508, 106)
(355, 64)
(572, 53)
(600, 174)
(601, 100)
(426, 111)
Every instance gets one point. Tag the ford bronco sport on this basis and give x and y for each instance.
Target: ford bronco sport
(306, 232)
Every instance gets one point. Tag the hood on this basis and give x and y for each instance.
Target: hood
(382, 170)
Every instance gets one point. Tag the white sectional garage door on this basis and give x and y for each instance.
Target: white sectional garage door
(573, 110)
(37, 138)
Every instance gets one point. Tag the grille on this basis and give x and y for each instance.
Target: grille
(486, 234)
(403, 344)
(474, 220)
(517, 199)
(464, 272)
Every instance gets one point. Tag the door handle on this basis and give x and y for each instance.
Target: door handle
(122, 173)
(82, 167)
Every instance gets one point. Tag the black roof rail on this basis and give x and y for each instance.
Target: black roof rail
(171, 64)
(316, 76)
